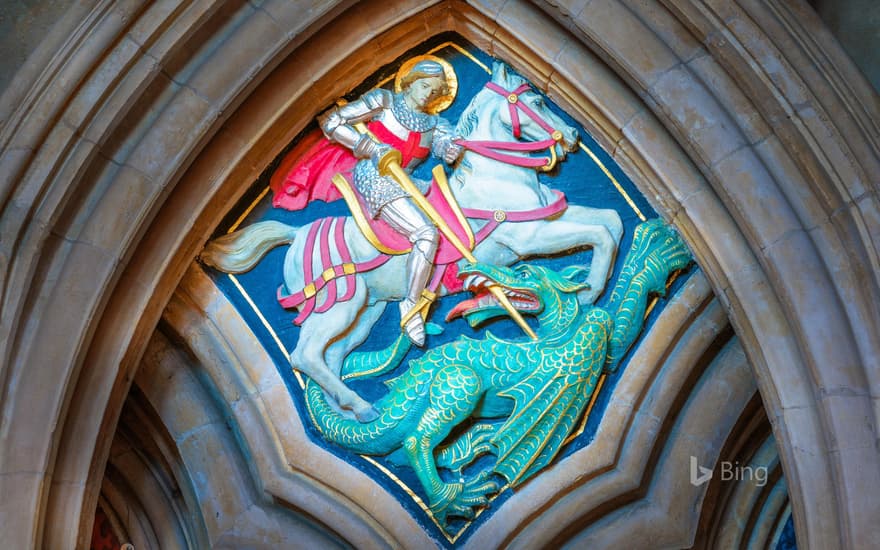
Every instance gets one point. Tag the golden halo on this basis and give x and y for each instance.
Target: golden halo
(442, 102)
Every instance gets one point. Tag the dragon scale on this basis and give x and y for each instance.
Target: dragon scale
(536, 390)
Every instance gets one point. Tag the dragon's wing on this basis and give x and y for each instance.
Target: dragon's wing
(549, 402)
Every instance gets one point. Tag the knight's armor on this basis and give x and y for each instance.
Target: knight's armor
(416, 135)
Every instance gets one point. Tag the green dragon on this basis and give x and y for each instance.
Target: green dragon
(541, 387)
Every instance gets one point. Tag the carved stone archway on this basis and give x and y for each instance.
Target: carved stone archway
(743, 123)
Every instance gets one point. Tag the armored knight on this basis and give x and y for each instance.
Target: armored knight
(402, 121)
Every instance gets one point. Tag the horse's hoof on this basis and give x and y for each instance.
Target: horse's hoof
(367, 415)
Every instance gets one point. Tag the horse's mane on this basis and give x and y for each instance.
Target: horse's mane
(467, 122)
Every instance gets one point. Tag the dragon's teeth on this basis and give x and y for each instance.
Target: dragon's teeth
(479, 282)
(469, 282)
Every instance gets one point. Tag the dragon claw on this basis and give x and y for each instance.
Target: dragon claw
(462, 499)
(476, 442)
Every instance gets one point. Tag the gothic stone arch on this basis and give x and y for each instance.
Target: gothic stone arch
(743, 123)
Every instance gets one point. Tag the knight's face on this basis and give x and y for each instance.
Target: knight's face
(421, 92)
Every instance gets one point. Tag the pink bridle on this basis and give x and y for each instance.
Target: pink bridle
(493, 149)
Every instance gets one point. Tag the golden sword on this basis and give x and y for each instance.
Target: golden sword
(389, 165)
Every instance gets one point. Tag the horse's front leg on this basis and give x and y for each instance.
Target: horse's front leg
(317, 332)
(578, 227)
(360, 330)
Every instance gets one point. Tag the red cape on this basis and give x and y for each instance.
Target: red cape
(305, 173)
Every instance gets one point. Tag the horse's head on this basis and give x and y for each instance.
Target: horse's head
(535, 119)
(532, 289)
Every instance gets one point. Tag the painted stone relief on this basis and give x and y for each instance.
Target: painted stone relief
(447, 193)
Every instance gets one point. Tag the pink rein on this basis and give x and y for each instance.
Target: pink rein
(493, 149)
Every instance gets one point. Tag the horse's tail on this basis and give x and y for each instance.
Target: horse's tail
(657, 250)
(240, 251)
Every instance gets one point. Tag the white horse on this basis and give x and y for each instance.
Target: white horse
(478, 182)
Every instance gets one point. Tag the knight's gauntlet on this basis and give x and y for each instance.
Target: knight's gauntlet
(452, 153)
(368, 148)
(337, 129)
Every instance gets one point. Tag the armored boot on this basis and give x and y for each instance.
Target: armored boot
(405, 218)
(414, 308)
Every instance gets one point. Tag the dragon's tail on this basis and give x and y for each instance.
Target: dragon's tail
(370, 364)
(657, 250)
(380, 436)
(375, 363)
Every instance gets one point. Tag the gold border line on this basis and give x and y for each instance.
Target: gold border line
(416, 498)
(617, 185)
(249, 209)
(266, 325)
(463, 52)
(436, 49)
(419, 502)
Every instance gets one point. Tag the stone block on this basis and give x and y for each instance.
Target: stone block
(172, 136)
(37, 183)
(477, 26)
(834, 155)
(113, 68)
(703, 126)
(75, 284)
(735, 101)
(799, 192)
(626, 40)
(120, 210)
(839, 239)
(175, 394)
(542, 39)
(773, 65)
(756, 201)
(21, 490)
(216, 479)
(817, 317)
(797, 431)
(159, 16)
(567, 8)
(295, 17)
(667, 27)
(161, 38)
(238, 59)
(668, 164)
(603, 90)
(489, 8)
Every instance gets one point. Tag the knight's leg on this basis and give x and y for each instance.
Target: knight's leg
(404, 217)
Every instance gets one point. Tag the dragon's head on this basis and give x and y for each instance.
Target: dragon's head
(531, 289)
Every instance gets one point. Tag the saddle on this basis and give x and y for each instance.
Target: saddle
(388, 241)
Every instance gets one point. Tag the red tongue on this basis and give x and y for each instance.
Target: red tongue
(465, 305)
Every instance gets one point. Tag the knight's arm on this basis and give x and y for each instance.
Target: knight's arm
(338, 122)
(444, 145)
